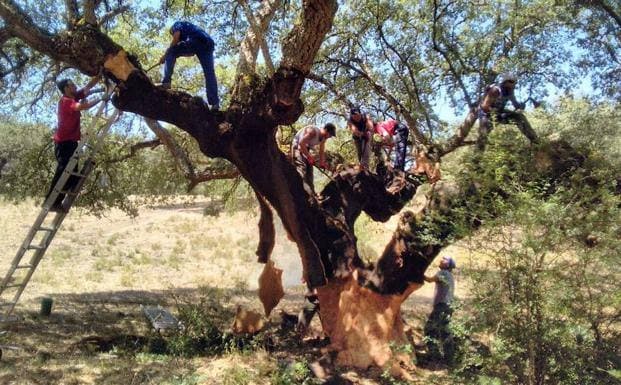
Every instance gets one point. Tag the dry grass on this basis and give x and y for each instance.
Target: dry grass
(100, 270)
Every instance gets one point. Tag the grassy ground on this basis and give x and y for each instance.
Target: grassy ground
(99, 271)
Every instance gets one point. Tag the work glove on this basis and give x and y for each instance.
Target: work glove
(310, 160)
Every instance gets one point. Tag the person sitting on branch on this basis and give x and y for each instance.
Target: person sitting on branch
(189, 40)
(361, 127)
(306, 139)
(68, 134)
(394, 134)
(493, 107)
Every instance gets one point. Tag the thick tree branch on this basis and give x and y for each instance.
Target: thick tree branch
(302, 44)
(19, 24)
(458, 138)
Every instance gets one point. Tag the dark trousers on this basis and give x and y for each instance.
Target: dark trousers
(504, 117)
(203, 49)
(304, 169)
(63, 152)
(438, 336)
(363, 149)
(401, 142)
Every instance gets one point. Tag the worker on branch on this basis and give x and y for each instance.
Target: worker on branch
(68, 134)
(305, 140)
(394, 134)
(493, 108)
(361, 127)
(189, 40)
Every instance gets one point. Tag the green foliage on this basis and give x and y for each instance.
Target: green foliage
(294, 373)
(546, 286)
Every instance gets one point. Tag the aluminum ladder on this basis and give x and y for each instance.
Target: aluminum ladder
(46, 225)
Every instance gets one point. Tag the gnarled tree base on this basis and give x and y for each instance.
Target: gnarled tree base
(364, 327)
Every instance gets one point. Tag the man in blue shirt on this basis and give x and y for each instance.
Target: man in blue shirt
(189, 40)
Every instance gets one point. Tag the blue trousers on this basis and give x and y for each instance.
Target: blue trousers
(401, 142)
(203, 49)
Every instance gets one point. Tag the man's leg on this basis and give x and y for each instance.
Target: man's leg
(432, 334)
(181, 49)
(305, 170)
(205, 56)
(522, 123)
(485, 127)
(63, 152)
(401, 140)
(366, 152)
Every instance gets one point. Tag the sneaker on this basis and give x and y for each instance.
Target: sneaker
(214, 109)
(165, 86)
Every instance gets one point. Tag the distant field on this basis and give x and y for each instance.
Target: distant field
(99, 271)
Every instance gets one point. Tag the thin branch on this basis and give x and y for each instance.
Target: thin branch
(436, 47)
(21, 25)
(90, 6)
(411, 74)
(396, 105)
(256, 24)
(72, 14)
(609, 10)
(209, 174)
(133, 150)
(255, 36)
(5, 35)
(331, 87)
(112, 14)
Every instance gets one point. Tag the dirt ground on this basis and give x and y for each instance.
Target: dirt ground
(99, 271)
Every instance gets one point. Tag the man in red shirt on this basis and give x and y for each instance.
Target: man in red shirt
(394, 134)
(67, 134)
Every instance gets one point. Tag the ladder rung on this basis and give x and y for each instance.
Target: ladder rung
(42, 228)
(77, 174)
(35, 247)
(23, 266)
(14, 285)
(8, 304)
(69, 192)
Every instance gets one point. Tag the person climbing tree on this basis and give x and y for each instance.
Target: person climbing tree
(394, 134)
(68, 134)
(438, 336)
(493, 107)
(361, 127)
(304, 140)
(188, 40)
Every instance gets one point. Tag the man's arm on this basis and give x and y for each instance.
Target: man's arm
(369, 125)
(322, 154)
(489, 99)
(85, 105)
(354, 130)
(309, 134)
(176, 37)
(433, 278)
(517, 105)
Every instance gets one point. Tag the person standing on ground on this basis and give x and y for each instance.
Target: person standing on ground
(68, 134)
(438, 336)
(394, 134)
(188, 40)
(361, 127)
(306, 139)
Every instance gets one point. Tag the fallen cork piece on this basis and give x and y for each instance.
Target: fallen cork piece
(270, 287)
(247, 321)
